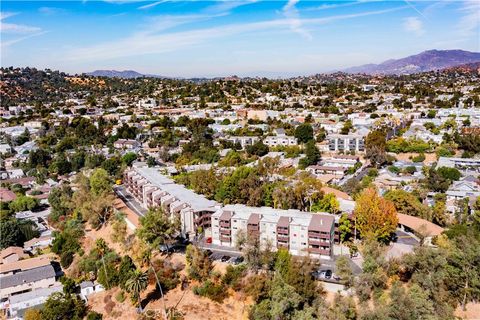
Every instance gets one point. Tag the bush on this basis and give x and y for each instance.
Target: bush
(92, 315)
(419, 158)
(372, 172)
(233, 276)
(393, 169)
(410, 169)
(215, 292)
(120, 297)
(66, 259)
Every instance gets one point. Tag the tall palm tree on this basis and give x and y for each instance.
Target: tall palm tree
(102, 248)
(136, 284)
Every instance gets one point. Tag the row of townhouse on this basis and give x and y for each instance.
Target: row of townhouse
(300, 232)
(153, 189)
(346, 142)
(271, 141)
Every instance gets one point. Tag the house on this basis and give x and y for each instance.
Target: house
(7, 195)
(469, 187)
(26, 275)
(88, 287)
(126, 144)
(12, 254)
(16, 305)
(338, 172)
(35, 244)
(5, 148)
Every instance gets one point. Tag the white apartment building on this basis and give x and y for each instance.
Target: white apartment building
(346, 142)
(153, 189)
(273, 141)
(300, 232)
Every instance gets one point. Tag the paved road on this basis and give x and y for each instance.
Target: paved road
(129, 200)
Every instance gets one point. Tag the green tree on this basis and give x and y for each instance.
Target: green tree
(344, 271)
(199, 265)
(312, 155)
(63, 306)
(136, 284)
(100, 181)
(304, 133)
(157, 228)
(129, 158)
(407, 203)
(375, 144)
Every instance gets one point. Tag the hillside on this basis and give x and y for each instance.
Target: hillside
(422, 62)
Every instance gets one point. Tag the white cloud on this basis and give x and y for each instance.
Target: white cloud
(50, 11)
(151, 5)
(291, 14)
(469, 24)
(15, 28)
(148, 41)
(414, 25)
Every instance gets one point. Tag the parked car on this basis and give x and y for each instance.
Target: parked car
(209, 252)
(209, 240)
(236, 260)
(322, 274)
(328, 274)
(225, 258)
(166, 249)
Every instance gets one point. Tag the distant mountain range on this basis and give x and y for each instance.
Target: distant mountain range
(426, 61)
(126, 74)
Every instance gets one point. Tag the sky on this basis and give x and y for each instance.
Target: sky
(223, 38)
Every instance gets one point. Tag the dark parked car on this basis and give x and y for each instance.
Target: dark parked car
(166, 249)
(328, 274)
(209, 252)
(235, 260)
(225, 258)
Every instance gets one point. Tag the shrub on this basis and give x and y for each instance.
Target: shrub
(120, 297)
(66, 259)
(92, 315)
(233, 276)
(215, 292)
(410, 169)
(419, 158)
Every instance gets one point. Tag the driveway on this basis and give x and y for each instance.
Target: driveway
(129, 200)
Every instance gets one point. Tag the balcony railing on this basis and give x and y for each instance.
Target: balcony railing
(319, 251)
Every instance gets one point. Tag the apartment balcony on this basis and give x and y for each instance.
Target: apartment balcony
(282, 231)
(225, 238)
(225, 224)
(253, 227)
(319, 242)
(318, 235)
(283, 237)
(225, 231)
(321, 251)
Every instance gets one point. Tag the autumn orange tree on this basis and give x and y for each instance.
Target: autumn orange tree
(376, 218)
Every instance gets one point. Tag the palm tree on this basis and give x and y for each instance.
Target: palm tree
(136, 284)
(102, 248)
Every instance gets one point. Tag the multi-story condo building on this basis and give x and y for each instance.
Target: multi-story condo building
(346, 142)
(244, 141)
(153, 189)
(300, 232)
(273, 141)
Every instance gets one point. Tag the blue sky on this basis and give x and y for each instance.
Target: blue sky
(219, 38)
